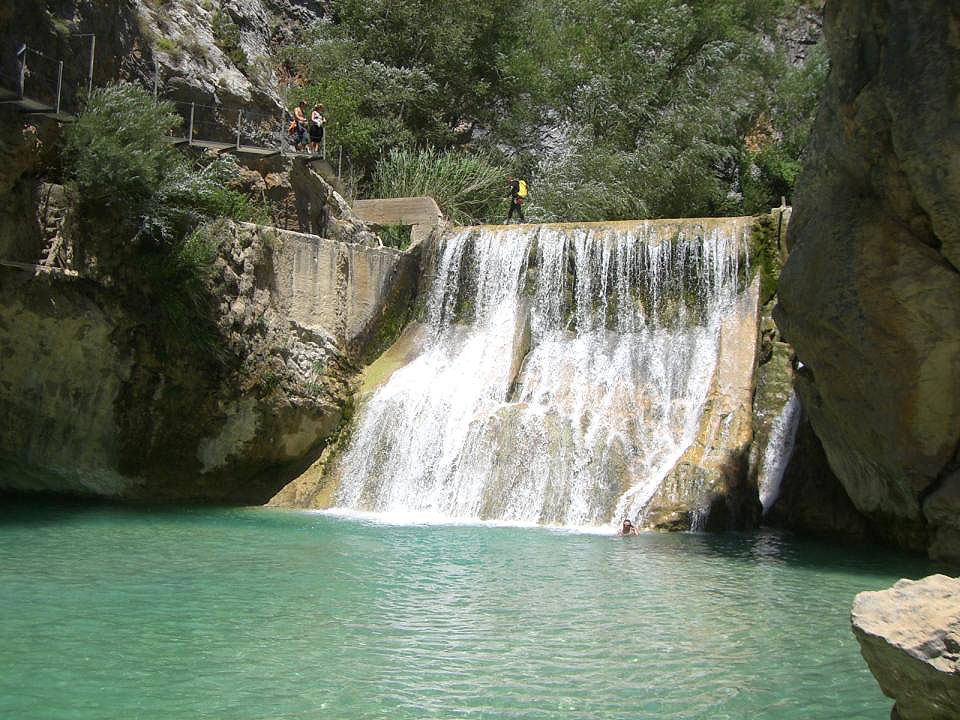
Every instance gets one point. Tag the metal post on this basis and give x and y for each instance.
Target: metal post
(59, 84)
(324, 155)
(156, 79)
(190, 137)
(340, 161)
(23, 69)
(93, 52)
(239, 123)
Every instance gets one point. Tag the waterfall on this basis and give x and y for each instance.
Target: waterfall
(560, 372)
(777, 453)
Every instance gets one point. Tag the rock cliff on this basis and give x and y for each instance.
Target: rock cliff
(870, 295)
(216, 52)
(94, 401)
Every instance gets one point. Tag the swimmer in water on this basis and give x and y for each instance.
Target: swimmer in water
(627, 528)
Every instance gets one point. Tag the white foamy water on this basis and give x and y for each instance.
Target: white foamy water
(561, 373)
(777, 454)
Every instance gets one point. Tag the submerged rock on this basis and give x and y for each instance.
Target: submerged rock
(870, 295)
(910, 637)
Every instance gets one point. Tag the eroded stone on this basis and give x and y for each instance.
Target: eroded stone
(910, 637)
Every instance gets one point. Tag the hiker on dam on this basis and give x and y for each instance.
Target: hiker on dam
(518, 194)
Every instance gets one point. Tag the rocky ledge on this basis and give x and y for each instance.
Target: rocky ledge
(910, 637)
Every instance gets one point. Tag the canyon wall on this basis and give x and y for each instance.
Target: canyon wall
(870, 295)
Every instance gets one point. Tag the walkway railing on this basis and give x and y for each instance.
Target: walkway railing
(35, 83)
(222, 128)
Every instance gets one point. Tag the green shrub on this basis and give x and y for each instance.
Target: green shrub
(396, 236)
(587, 182)
(467, 187)
(133, 191)
(175, 285)
(140, 208)
(770, 169)
(408, 73)
(639, 108)
(168, 46)
(115, 161)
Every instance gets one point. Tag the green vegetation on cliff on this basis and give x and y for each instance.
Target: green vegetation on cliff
(642, 108)
(139, 206)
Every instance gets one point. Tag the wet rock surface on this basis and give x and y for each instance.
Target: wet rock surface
(710, 488)
(812, 500)
(870, 295)
(772, 418)
(910, 637)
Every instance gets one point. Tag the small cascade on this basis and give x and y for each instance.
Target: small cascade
(776, 455)
(560, 369)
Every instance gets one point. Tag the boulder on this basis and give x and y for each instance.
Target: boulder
(910, 637)
(870, 295)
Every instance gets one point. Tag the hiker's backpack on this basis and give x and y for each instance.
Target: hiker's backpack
(522, 189)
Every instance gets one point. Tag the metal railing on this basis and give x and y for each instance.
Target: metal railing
(40, 78)
(40, 87)
(239, 127)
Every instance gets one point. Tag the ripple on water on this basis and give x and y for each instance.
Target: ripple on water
(269, 614)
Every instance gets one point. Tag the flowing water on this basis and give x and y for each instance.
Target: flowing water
(271, 614)
(779, 448)
(557, 375)
(561, 373)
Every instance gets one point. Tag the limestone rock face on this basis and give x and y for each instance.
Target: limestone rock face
(211, 53)
(910, 637)
(773, 410)
(26, 210)
(189, 40)
(711, 478)
(870, 295)
(93, 400)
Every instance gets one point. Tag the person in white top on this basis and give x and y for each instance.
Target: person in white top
(317, 121)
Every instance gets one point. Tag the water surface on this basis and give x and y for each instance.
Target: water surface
(139, 613)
